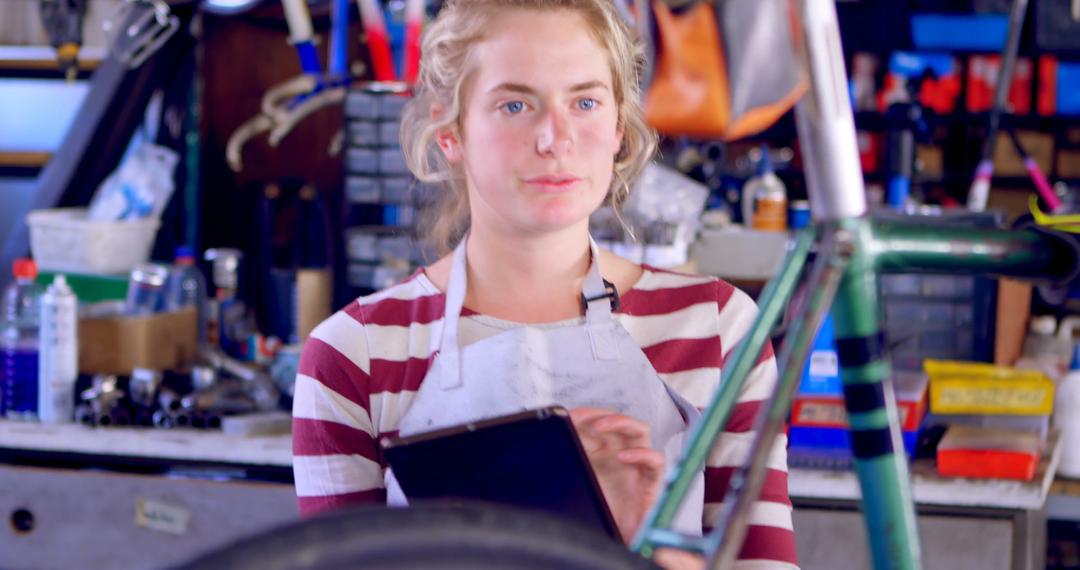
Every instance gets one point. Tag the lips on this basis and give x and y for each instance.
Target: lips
(553, 182)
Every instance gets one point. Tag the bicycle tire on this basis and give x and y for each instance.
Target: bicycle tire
(435, 536)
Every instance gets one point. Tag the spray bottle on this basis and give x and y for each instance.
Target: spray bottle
(58, 366)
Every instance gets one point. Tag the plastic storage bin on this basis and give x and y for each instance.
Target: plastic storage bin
(64, 240)
(978, 388)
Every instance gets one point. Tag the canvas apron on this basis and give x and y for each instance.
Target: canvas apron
(595, 364)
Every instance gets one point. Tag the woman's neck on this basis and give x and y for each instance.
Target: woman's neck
(528, 279)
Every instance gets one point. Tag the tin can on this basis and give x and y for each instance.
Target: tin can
(798, 214)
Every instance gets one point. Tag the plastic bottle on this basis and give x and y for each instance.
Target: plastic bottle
(20, 314)
(234, 326)
(146, 289)
(187, 288)
(1043, 349)
(59, 357)
(1067, 417)
(765, 198)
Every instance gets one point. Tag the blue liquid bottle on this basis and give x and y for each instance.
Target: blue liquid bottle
(19, 324)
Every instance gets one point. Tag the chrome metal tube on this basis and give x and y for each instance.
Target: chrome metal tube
(826, 126)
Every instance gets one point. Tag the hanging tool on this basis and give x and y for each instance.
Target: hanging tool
(137, 28)
(979, 192)
(1042, 185)
(377, 39)
(63, 21)
(302, 35)
(906, 124)
(414, 22)
(286, 104)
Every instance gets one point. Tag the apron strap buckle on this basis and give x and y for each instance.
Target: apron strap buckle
(609, 291)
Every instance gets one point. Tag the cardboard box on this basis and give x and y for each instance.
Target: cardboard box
(931, 160)
(1068, 161)
(1068, 157)
(1013, 200)
(1039, 146)
(118, 345)
(1013, 308)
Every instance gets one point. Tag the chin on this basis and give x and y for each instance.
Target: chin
(558, 216)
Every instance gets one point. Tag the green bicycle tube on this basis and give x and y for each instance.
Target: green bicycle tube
(772, 302)
(729, 532)
(904, 247)
(880, 462)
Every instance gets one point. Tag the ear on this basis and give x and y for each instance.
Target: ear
(619, 132)
(450, 145)
(447, 139)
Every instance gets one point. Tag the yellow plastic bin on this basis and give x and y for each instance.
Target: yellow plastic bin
(978, 388)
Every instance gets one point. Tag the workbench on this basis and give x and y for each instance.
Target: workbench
(146, 498)
(964, 523)
(80, 497)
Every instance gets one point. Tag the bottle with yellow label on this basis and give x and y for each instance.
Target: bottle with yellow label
(765, 198)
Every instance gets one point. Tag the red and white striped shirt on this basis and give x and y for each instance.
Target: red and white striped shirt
(361, 368)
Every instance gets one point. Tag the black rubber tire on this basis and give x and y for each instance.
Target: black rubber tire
(436, 536)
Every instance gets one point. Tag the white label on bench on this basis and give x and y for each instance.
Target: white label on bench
(160, 516)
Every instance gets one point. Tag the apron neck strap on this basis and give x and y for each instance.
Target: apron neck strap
(449, 347)
(594, 291)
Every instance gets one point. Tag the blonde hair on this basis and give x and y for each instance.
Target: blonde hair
(441, 84)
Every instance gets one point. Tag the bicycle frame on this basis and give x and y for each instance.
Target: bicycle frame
(850, 252)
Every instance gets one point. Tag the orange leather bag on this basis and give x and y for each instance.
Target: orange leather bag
(690, 94)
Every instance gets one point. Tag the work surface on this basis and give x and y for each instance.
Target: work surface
(210, 446)
(929, 488)
(176, 444)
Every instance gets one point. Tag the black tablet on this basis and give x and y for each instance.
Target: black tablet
(533, 459)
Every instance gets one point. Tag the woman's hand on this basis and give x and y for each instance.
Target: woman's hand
(628, 469)
(671, 559)
(630, 473)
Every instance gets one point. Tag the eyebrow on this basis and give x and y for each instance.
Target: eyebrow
(520, 88)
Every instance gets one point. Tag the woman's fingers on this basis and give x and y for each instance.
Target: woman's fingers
(629, 471)
(588, 415)
(650, 459)
(604, 431)
(671, 559)
(635, 431)
(584, 420)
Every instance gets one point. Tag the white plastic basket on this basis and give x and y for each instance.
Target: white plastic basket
(64, 240)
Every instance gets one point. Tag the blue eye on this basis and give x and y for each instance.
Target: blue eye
(587, 104)
(514, 107)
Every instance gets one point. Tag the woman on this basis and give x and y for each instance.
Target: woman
(526, 113)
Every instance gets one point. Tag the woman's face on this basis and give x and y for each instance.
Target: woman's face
(540, 126)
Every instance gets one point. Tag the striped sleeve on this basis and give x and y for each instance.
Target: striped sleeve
(770, 538)
(335, 457)
(687, 326)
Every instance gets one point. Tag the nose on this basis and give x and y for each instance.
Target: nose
(554, 136)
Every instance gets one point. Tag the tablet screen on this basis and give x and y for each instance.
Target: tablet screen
(532, 460)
